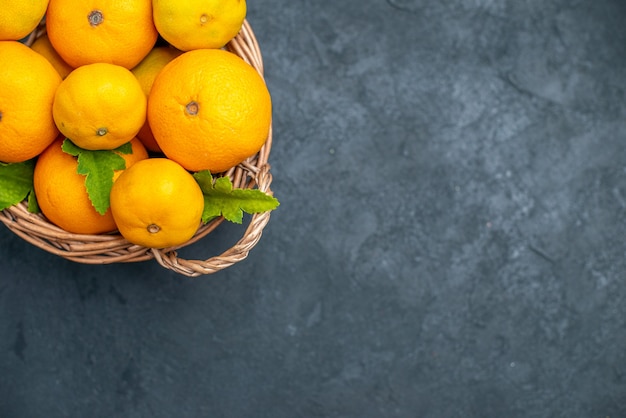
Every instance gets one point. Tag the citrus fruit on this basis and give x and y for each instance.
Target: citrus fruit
(61, 191)
(18, 18)
(99, 106)
(156, 203)
(43, 46)
(196, 24)
(115, 31)
(209, 110)
(28, 83)
(146, 71)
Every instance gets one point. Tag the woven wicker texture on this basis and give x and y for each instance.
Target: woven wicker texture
(113, 248)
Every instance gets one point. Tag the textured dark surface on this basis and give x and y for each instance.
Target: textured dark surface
(450, 241)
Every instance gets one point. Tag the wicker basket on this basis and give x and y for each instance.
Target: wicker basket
(113, 248)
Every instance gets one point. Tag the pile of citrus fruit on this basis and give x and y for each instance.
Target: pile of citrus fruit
(143, 89)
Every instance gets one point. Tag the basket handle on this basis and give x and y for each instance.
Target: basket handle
(169, 259)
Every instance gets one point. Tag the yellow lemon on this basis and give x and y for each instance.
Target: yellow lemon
(28, 83)
(61, 191)
(156, 203)
(18, 18)
(196, 24)
(99, 106)
(209, 110)
(146, 71)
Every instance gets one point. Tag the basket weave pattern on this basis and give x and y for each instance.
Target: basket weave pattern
(113, 248)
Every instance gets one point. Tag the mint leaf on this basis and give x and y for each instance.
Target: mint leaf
(98, 168)
(204, 179)
(221, 199)
(127, 148)
(70, 148)
(33, 205)
(16, 182)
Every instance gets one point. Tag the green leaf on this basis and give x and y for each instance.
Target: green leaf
(70, 148)
(16, 182)
(204, 179)
(33, 205)
(221, 199)
(98, 168)
(127, 148)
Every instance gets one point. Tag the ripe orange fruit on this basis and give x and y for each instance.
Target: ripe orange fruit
(99, 106)
(115, 31)
(196, 24)
(157, 203)
(43, 46)
(27, 84)
(146, 71)
(18, 18)
(209, 110)
(61, 191)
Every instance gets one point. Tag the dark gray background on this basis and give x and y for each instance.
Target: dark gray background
(450, 241)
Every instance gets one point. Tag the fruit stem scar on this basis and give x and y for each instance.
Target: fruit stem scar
(153, 228)
(95, 17)
(101, 131)
(204, 18)
(192, 108)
